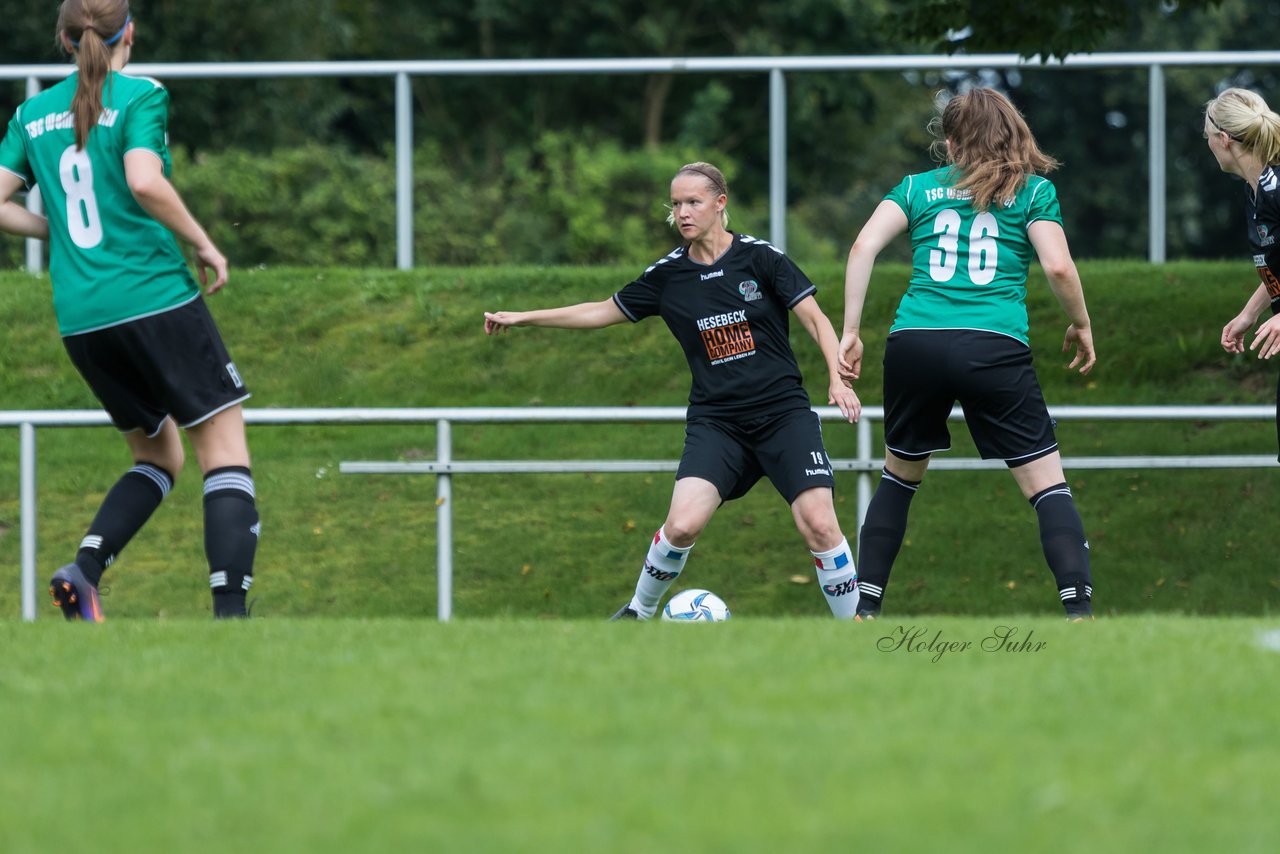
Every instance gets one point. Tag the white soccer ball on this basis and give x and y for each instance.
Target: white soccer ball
(695, 606)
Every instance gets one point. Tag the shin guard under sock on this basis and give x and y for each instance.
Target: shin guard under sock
(662, 566)
(1065, 547)
(127, 507)
(881, 537)
(230, 537)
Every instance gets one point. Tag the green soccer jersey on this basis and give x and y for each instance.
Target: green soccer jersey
(969, 267)
(110, 262)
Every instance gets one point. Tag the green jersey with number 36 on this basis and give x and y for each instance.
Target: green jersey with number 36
(110, 262)
(969, 267)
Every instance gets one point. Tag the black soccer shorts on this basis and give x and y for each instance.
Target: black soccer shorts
(927, 371)
(733, 454)
(168, 364)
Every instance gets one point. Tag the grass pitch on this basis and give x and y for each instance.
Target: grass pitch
(928, 734)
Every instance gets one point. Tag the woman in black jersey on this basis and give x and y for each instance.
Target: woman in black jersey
(726, 297)
(1244, 136)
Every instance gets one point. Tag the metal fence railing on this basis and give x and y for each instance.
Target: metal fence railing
(866, 460)
(775, 67)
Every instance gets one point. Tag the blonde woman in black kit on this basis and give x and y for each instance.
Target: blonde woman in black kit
(727, 299)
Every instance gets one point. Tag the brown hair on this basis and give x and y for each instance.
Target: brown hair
(1245, 117)
(987, 141)
(89, 25)
(715, 181)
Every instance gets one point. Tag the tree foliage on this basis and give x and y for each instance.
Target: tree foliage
(1045, 28)
(504, 144)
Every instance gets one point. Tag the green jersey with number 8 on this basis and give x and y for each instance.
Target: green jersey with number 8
(110, 262)
(969, 267)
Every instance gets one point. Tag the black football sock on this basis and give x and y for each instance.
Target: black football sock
(1065, 547)
(881, 537)
(127, 507)
(230, 537)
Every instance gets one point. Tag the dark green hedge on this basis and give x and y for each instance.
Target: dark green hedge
(562, 201)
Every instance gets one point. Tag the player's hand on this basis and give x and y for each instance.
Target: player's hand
(1267, 340)
(209, 258)
(849, 357)
(1233, 333)
(496, 322)
(842, 396)
(1082, 339)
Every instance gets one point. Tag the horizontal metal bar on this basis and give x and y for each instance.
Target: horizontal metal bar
(1222, 461)
(656, 65)
(595, 414)
(507, 466)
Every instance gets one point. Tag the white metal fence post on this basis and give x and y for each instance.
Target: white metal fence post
(27, 503)
(404, 172)
(35, 248)
(444, 523)
(1156, 185)
(778, 159)
(864, 476)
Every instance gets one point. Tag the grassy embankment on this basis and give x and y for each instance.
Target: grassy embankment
(569, 545)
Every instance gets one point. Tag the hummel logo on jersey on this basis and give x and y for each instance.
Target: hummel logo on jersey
(1268, 181)
(716, 275)
(750, 290)
(235, 375)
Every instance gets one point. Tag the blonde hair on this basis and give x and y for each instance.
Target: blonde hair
(1245, 117)
(92, 27)
(987, 141)
(715, 182)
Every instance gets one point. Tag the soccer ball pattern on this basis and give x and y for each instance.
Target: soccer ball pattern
(695, 606)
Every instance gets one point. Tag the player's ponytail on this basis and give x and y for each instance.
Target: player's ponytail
(1245, 117)
(1267, 136)
(88, 29)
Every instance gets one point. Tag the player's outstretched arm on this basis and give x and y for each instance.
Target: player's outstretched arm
(14, 218)
(584, 315)
(1050, 243)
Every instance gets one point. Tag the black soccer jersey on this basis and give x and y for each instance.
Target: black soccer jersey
(1264, 227)
(732, 318)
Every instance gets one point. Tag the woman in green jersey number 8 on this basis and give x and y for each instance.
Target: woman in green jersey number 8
(130, 313)
(960, 333)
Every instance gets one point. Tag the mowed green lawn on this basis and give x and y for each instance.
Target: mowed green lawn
(1152, 733)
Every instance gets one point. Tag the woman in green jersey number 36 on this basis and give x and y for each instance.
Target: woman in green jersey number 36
(129, 311)
(960, 333)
